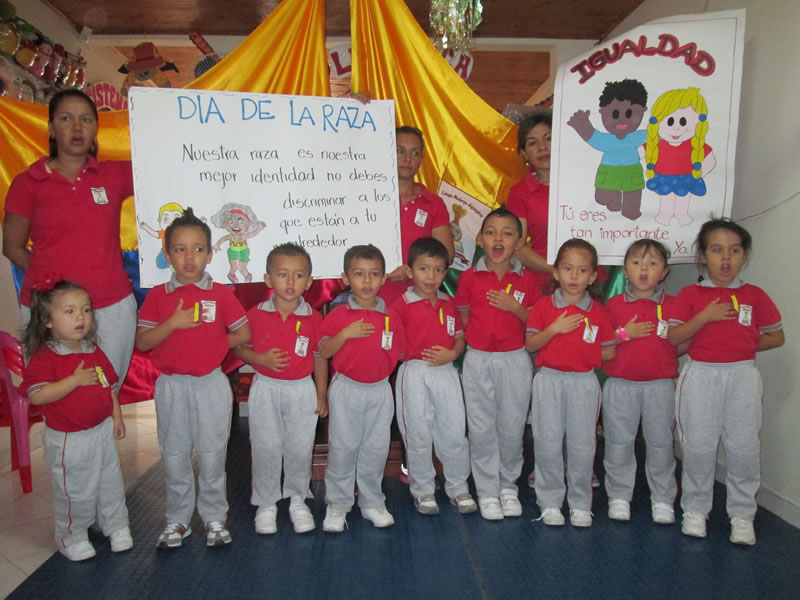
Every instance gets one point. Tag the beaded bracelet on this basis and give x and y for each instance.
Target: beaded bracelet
(620, 331)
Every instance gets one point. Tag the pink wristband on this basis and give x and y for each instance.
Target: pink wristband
(621, 334)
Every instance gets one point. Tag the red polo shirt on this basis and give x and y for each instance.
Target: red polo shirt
(269, 330)
(530, 199)
(568, 351)
(84, 407)
(427, 325)
(199, 350)
(74, 226)
(488, 328)
(727, 341)
(646, 358)
(364, 359)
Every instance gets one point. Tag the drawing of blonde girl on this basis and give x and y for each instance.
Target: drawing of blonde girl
(241, 224)
(676, 154)
(166, 215)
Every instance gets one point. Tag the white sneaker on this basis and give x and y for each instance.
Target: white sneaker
(580, 518)
(217, 534)
(742, 532)
(78, 552)
(619, 510)
(552, 517)
(335, 520)
(694, 525)
(267, 519)
(426, 505)
(173, 535)
(380, 517)
(663, 513)
(121, 540)
(301, 518)
(490, 508)
(509, 503)
(464, 503)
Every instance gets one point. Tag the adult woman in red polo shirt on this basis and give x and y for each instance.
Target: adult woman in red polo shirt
(530, 197)
(69, 205)
(422, 213)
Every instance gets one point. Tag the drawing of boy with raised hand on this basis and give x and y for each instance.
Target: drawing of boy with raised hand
(620, 178)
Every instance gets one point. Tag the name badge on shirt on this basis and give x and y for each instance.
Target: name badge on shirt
(99, 195)
(745, 314)
(386, 340)
(301, 345)
(589, 333)
(205, 310)
(663, 329)
(421, 218)
(519, 296)
(451, 325)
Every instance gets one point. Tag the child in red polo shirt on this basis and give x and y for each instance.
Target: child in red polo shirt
(284, 401)
(430, 405)
(494, 297)
(571, 335)
(189, 324)
(365, 342)
(726, 321)
(71, 379)
(641, 386)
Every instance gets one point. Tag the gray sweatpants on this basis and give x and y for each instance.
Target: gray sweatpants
(282, 428)
(564, 404)
(624, 404)
(87, 482)
(358, 433)
(194, 414)
(497, 393)
(720, 401)
(430, 410)
(116, 331)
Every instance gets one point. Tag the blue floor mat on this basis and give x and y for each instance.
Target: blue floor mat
(446, 556)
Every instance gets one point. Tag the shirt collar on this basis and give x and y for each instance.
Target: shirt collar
(516, 265)
(584, 304)
(380, 304)
(40, 170)
(173, 284)
(657, 297)
(303, 309)
(411, 296)
(87, 347)
(706, 282)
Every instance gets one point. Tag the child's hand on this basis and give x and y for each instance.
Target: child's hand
(438, 356)
(399, 275)
(119, 425)
(84, 377)
(501, 300)
(358, 329)
(718, 311)
(275, 359)
(322, 406)
(638, 330)
(566, 323)
(183, 319)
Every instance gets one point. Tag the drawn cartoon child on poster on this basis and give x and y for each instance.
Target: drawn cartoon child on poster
(241, 224)
(676, 153)
(620, 179)
(166, 215)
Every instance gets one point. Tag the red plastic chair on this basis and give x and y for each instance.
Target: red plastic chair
(15, 409)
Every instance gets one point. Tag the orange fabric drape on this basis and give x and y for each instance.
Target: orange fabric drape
(467, 143)
(285, 54)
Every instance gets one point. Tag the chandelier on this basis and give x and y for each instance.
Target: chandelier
(453, 22)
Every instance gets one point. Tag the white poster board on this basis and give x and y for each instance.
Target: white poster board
(613, 186)
(264, 169)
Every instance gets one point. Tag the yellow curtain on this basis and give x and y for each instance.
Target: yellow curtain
(467, 143)
(285, 54)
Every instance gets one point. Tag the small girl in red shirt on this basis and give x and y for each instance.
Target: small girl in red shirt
(76, 386)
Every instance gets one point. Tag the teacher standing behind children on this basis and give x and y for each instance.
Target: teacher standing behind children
(68, 204)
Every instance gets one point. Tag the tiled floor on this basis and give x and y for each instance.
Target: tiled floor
(26, 520)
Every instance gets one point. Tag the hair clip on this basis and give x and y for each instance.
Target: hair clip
(46, 282)
(650, 166)
(697, 166)
(653, 120)
(702, 116)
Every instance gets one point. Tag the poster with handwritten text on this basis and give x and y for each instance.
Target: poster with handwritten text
(644, 136)
(262, 170)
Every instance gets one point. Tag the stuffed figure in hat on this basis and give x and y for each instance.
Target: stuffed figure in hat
(147, 64)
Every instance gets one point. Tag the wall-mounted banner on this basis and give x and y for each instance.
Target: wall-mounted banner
(263, 169)
(466, 217)
(644, 137)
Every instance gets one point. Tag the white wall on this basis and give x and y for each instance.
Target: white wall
(767, 174)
